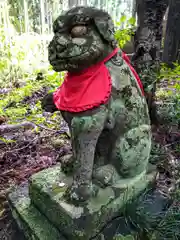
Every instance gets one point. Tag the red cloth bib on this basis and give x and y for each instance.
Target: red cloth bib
(87, 89)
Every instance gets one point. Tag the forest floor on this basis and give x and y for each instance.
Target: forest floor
(30, 151)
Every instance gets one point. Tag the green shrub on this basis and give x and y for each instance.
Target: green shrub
(124, 34)
(172, 95)
(21, 59)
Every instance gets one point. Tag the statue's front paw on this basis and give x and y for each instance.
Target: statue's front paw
(80, 193)
(67, 164)
(47, 103)
(105, 175)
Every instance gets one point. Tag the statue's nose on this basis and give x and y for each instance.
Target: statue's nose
(78, 41)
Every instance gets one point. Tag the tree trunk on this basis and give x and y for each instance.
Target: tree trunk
(147, 45)
(148, 35)
(172, 38)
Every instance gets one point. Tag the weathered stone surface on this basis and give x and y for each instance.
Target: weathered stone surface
(33, 224)
(46, 191)
(113, 129)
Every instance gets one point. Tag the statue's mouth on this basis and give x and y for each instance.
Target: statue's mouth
(66, 62)
(65, 57)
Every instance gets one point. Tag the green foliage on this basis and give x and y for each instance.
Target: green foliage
(19, 110)
(54, 79)
(125, 30)
(21, 60)
(17, 14)
(6, 141)
(173, 94)
(21, 57)
(16, 9)
(169, 73)
(10, 60)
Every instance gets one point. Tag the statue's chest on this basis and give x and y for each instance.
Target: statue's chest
(120, 77)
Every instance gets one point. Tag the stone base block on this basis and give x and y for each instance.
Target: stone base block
(83, 222)
(33, 224)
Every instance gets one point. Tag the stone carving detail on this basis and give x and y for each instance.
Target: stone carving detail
(111, 141)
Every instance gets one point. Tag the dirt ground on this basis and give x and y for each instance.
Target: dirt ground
(30, 152)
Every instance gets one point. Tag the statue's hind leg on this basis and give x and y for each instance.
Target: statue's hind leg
(131, 152)
(129, 157)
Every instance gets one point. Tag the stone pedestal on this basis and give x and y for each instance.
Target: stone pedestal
(32, 223)
(42, 213)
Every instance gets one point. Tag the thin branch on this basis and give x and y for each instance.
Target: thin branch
(14, 127)
(19, 149)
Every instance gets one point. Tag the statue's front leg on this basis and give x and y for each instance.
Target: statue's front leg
(85, 132)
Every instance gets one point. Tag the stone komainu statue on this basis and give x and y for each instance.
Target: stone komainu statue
(102, 101)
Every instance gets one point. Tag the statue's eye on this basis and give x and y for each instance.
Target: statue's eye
(78, 31)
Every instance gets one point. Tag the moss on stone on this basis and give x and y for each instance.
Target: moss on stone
(33, 224)
(81, 223)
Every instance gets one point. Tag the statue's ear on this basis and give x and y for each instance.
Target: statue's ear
(105, 27)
